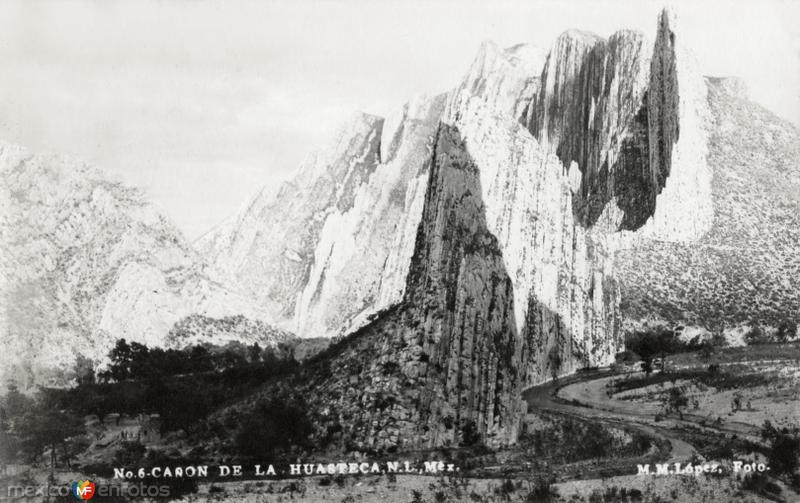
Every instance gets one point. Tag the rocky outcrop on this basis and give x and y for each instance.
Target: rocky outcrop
(446, 363)
(86, 261)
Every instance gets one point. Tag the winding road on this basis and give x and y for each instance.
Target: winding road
(583, 396)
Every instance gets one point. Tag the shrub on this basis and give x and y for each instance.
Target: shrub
(543, 490)
(755, 335)
(787, 329)
(274, 424)
(650, 344)
(506, 488)
(676, 400)
(469, 434)
(130, 454)
(784, 448)
(760, 483)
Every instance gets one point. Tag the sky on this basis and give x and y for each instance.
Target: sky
(202, 103)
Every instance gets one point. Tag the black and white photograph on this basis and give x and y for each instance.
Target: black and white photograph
(435, 251)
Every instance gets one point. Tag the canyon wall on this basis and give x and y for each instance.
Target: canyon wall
(534, 183)
(333, 245)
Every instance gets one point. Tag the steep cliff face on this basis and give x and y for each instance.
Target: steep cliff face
(565, 299)
(324, 254)
(86, 261)
(591, 111)
(720, 250)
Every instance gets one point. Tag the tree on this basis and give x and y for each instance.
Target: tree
(15, 403)
(8, 448)
(787, 329)
(200, 359)
(555, 360)
(784, 452)
(755, 335)
(130, 454)
(650, 344)
(139, 366)
(84, 370)
(49, 429)
(254, 353)
(273, 425)
(676, 400)
(120, 367)
(736, 402)
(706, 350)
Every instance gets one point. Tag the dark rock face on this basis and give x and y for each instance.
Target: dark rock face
(447, 360)
(663, 107)
(463, 298)
(603, 108)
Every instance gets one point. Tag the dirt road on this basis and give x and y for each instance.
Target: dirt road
(583, 396)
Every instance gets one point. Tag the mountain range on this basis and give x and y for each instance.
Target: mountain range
(87, 261)
(463, 247)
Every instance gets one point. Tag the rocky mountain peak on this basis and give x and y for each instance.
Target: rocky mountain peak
(527, 192)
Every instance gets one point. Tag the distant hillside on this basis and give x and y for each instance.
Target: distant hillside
(198, 329)
(86, 261)
(746, 268)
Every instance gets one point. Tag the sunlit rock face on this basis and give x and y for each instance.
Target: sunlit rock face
(86, 261)
(564, 298)
(332, 247)
(269, 249)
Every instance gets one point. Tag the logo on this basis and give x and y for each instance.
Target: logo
(83, 490)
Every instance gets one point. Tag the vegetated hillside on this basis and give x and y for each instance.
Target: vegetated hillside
(86, 261)
(197, 329)
(746, 268)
